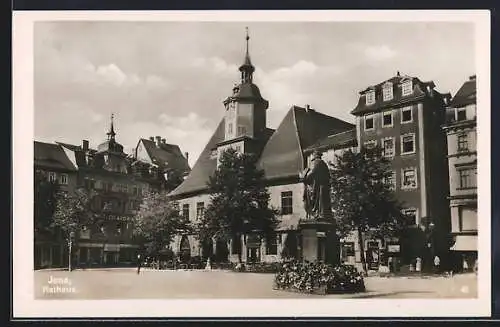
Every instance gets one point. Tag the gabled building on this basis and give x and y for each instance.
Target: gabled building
(164, 158)
(404, 116)
(51, 165)
(282, 155)
(461, 132)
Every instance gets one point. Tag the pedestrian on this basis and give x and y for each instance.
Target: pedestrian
(437, 262)
(465, 265)
(139, 259)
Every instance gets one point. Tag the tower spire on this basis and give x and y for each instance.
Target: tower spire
(111, 134)
(247, 68)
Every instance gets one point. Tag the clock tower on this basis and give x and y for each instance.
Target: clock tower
(245, 119)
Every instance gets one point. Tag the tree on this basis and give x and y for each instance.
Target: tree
(44, 202)
(157, 221)
(362, 198)
(239, 200)
(72, 213)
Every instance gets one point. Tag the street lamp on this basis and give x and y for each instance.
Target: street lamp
(70, 245)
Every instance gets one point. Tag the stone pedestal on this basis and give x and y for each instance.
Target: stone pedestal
(319, 242)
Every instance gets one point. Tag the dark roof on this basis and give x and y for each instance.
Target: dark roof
(336, 141)
(51, 156)
(204, 167)
(166, 155)
(466, 94)
(301, 128)
(419, 91)
(282, 154)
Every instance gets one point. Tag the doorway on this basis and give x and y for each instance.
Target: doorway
(253, 254)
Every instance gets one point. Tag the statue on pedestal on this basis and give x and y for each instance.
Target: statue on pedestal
(316, 179)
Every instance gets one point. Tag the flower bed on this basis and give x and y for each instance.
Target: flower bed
(318, 278)
(261, 267)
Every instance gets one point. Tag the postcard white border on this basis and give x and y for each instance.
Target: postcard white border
(25, 306)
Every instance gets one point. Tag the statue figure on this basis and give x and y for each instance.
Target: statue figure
(316, 179)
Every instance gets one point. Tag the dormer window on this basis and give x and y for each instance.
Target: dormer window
(370, 97)
(387, 91)
(407, 87)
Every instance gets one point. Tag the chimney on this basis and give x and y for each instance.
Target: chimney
(398, 74)
(308, 107)
(85, 145)
(472, 78)
(186, 154)
(158, 141)
(151, 138)
(163, 141)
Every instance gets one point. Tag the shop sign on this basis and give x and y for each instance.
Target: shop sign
(112, 247)
(393, 248)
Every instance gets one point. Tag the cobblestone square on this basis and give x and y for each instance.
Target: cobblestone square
(125, 283)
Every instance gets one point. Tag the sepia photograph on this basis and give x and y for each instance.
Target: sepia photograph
(296, 156)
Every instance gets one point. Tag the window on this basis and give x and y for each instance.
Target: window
(200, 209)
(387, 119)
(411, 215)
(185, 211)
(467, 177)
(370, 98)
(272, 244)
(406, 115)
(85, 233)
(369, 123)
(52, 177)
(63, 179)
(461, 114)
(136, 190)
(462, 143)
(241, 130)
(408, 143)
(370, 144)
(230, 129)
(389, 146)
(467, 218)
(407, 88)
(390, 180)
(387, 92)
(286, 203)
(347, 250)
(409, 178)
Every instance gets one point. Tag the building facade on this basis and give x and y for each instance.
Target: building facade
(117, 182)
(461, 132)
(282, 156)
(53, 172)
(403, 115)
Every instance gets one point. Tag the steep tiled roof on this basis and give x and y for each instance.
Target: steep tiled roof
(282, 155)
(419, 91)
(335, 141)
(166, 155)
(466, 94)
(204, 167)
(301, 128)
(51, 156)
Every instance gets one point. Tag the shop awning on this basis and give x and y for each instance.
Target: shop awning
(465, 243)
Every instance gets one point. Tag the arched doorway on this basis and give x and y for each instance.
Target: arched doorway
(221, 251)
(185, 249)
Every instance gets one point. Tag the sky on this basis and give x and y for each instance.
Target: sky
(169, 79)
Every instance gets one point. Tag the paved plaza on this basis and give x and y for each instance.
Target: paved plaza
(124, 283)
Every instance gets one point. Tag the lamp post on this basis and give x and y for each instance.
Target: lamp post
(430, 240)
(70, 246)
